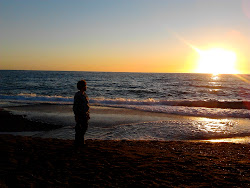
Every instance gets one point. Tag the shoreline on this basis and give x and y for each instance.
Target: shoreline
(28, 161)
(57, 121)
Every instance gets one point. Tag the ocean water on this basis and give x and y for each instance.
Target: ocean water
(222, 97)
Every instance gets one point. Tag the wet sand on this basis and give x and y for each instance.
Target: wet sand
(100, 116)
(27, 161)
(111, 123)
(17, 123)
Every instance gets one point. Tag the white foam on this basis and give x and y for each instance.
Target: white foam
(32, 97)
(151, 105)
(190, 111)
(160, 130)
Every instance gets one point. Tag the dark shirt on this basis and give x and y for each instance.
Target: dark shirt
(81, 105)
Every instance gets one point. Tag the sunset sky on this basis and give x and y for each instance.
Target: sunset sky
(122, 35)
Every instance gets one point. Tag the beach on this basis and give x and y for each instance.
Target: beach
(28, 162)
(49, 162)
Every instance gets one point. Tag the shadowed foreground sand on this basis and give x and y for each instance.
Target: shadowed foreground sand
(27, 161)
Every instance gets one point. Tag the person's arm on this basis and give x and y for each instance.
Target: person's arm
(77, 105)
(86, 106)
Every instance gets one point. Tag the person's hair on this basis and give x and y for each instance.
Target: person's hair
(81, 84)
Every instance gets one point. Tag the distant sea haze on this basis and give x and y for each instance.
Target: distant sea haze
(183, 94)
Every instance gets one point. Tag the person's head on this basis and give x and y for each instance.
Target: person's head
(82, 85)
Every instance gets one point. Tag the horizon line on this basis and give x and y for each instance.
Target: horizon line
(121, 72)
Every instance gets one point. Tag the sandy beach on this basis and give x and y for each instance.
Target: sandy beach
(29, 161)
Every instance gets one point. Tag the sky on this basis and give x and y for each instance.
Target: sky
(121, 35)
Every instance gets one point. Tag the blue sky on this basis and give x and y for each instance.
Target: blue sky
(46, 34)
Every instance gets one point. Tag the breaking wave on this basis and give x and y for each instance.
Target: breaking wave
(209, 108)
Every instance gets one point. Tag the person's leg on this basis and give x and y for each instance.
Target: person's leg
(84, 129)
(81, 128)
(77, 134)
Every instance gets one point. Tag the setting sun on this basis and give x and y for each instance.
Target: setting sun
(217, 61)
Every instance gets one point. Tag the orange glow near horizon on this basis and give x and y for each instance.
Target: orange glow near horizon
(155, 37)
(213, 60)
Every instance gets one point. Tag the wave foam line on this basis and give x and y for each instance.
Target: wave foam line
(193, 111)
(36, 98)
(122, 101)
(207, 104)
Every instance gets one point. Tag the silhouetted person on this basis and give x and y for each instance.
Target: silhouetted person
(81, 111)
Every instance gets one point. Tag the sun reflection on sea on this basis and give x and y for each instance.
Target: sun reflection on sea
(215, 77)
(223, 130)
(215, 80)
(242, 140)
(222, 126)
(214, 84)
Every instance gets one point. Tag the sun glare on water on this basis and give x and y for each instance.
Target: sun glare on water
(217, 61)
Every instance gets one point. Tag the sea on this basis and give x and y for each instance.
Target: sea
(194, 106)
